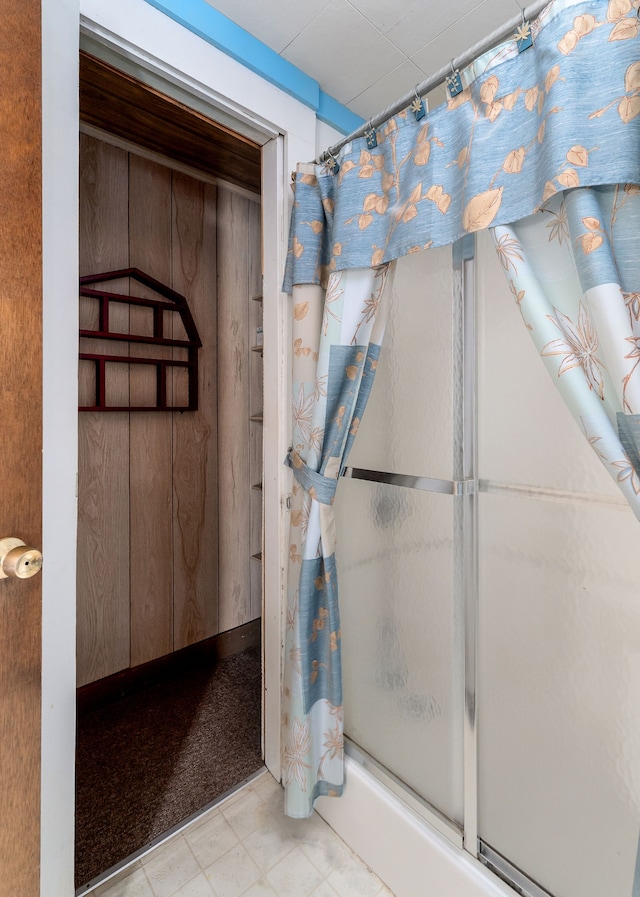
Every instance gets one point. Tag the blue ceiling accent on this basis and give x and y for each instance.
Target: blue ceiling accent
(335, 114)
(209, 24)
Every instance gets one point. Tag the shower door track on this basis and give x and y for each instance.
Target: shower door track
(509, 873)
(407, 795)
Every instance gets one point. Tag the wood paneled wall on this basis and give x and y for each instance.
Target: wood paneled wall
(238, 282)
(164, 526)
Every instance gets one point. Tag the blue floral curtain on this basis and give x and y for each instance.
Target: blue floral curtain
(548, 134)
(574, 272)
(337, 335)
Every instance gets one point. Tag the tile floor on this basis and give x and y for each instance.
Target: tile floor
(246, 847)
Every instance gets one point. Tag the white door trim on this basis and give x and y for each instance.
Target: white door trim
(60, 442)
(276, 480)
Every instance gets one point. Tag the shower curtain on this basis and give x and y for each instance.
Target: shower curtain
(541, 144)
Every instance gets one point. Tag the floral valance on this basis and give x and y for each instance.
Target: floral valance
(563, 113)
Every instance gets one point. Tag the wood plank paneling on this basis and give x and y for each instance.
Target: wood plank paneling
(127, 108)
(21, 443)
(195, 457)
(103, 471)
(233, 410)
(168, 521)
(150, 432)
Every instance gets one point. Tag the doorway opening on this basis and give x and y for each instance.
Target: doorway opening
(170, 502)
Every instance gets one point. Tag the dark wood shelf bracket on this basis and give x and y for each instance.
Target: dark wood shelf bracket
(171, 302)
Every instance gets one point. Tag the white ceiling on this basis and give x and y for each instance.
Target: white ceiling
(368, 53)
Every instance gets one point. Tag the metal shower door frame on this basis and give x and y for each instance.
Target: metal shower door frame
(463, 489)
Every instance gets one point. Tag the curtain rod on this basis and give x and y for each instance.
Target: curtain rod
(500, 34)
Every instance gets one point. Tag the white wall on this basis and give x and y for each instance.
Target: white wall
(326, 137)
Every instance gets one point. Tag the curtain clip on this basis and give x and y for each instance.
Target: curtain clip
(371, 136)
(524, 34)
(454, 82)
(418, 106)
(332, 164)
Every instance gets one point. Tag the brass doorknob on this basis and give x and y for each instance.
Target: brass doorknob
(18, 561)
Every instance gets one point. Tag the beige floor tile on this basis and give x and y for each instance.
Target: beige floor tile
(324, 890)
(302, 830)
(267, 845)
(249, 848)
(294, 876)
(271, 793)
(210, 839)
(246, 814)
(265, 785)
(197, 887)
(134, 884)
(170, 867)
(355, 880)
(261, 888)
(233, 873)
(325, 849)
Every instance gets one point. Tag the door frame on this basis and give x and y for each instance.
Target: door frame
(148, 39)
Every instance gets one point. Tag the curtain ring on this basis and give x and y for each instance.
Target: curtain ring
(524, 34)
(418, 106)
(454, 82)
(522, 11)
(370, 135)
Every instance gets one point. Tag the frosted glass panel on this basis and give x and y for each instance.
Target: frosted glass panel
(401, 659)
(526, 434)
(407, 427)
(559, 689)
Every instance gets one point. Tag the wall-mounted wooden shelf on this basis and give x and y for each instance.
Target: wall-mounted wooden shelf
(171, 303)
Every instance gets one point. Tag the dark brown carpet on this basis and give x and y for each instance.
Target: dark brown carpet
(149, 760)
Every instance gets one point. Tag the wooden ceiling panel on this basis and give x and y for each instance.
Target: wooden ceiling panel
(116, 102)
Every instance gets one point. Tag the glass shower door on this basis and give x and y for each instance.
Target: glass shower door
(559, 630)
(398, 535)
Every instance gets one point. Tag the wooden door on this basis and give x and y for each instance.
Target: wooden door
(21, 441)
